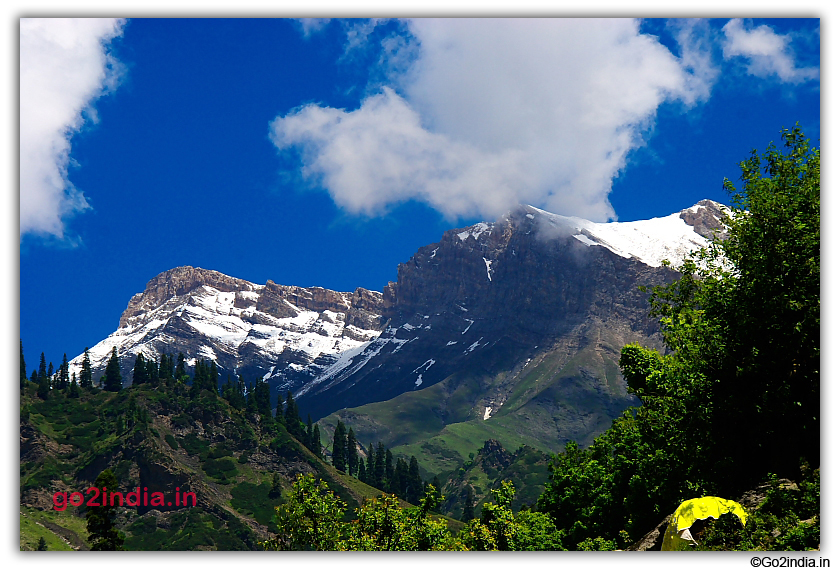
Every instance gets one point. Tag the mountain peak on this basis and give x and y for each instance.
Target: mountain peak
(180, 281)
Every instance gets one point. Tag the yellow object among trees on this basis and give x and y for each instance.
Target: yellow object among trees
(677, 535)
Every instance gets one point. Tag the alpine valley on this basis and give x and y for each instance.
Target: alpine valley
(508, 331)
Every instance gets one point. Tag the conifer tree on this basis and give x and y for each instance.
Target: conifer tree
(64, 373)
(310, 444)
(239, 394)
(370, 470)
(251, 400)
(22, 367)
(181, 367)
(292, 417)
(362, 472)
(213, 377)
(262, 395)
(42, 544)
(397, 484)
(166, 369)
(86, 375)
(43, 386)
(74, 387)
(102, 532)
(379, 467)
(198, 379)
(50, 372)
(152, 372)
(42, 368)
(339, 447)
(113, 377)
(140, 372)
(389, 469)
(316, 441)
(352, 454)
(414, 484)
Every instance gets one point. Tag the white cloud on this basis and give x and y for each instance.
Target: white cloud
(491, 113)
(64, 68)
(768, 54)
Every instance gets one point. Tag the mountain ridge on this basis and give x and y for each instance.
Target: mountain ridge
(492, 296)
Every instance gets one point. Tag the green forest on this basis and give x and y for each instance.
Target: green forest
(730, 409)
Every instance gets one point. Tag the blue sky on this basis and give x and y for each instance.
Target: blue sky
(325, 152)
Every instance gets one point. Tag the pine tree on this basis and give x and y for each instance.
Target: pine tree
(198, 379)
(262, 395)
(113, 377)
(339, 447)
(292, 417)
(102, 532)
(389, 469)
(22, 367)
(352, 453)
(165, 370)
(42, 369)
(370, 470)
(362, 472)
(310, 444)
(42, 544)
(379, 467)
(213, 378)
(181, 368)
(414, 484)
(316, 441)
(50, 372)
(397, 483)
(140, 373)
(238, 401)
(86, 376)
(64, 373)
(43, 386)
(74, 387)
(251, 403)
(152, 372)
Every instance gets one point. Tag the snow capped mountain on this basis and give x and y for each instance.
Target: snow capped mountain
(492, 296)
(651, 241)
(244, 327)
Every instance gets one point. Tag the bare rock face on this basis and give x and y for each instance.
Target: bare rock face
(285, 333)
(484, 304)
(178, 282)
(705, 217)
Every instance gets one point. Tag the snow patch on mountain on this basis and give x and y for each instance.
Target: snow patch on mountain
(650, 241)
(231, 323)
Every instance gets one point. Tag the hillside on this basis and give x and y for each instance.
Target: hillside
(158, 438)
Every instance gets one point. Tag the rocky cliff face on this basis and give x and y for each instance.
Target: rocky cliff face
(492, 297)
(287, 333)
(491, 301)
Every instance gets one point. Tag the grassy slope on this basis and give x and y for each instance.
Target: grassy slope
(563, 394)
(77, 438)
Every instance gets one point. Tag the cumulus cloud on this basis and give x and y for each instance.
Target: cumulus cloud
(64, 68)
(491, 113)
(767, 53)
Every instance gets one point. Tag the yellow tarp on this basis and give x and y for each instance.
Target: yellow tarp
(692, 510)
